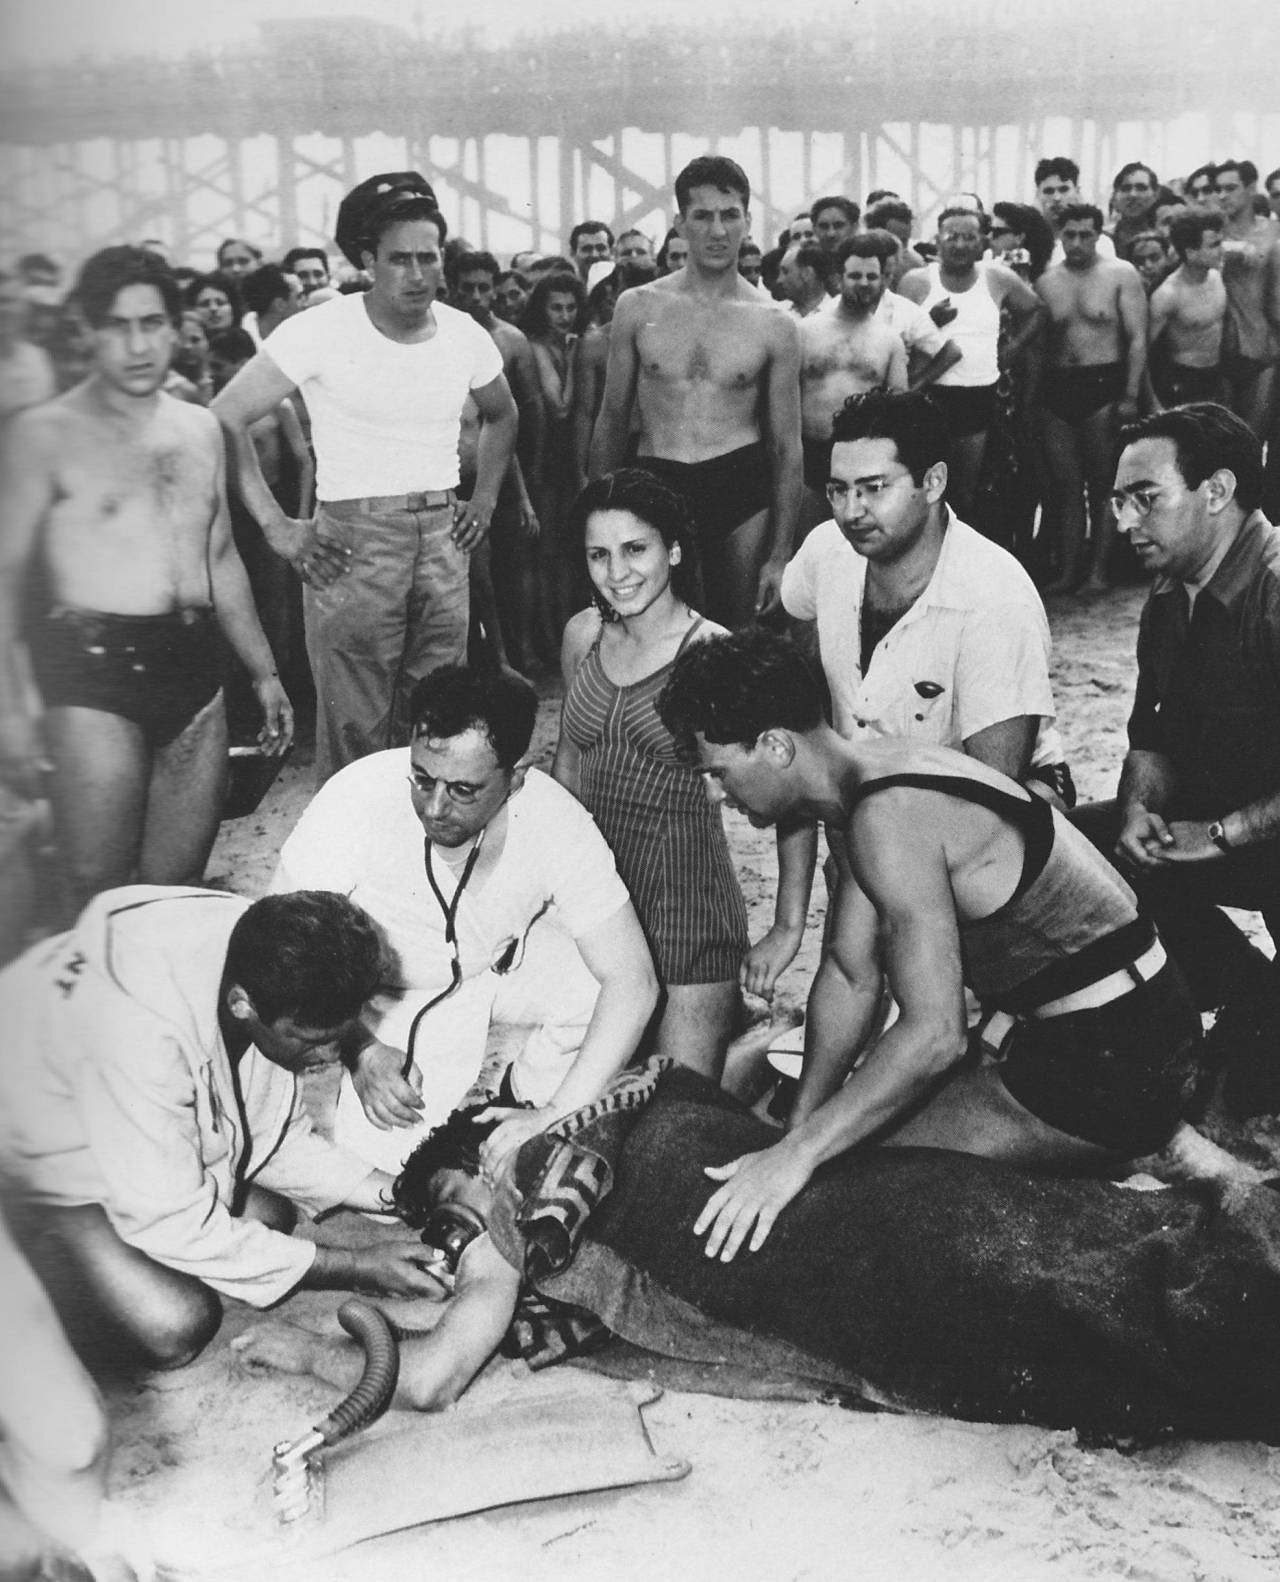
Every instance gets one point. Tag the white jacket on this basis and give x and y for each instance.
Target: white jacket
(116, 1088)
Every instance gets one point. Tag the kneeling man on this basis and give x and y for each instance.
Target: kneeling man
(509, 911)
(152, 1124)
(963, 879)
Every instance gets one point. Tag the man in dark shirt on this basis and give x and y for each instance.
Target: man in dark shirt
(1196, 821)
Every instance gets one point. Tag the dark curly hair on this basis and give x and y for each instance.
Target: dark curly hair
(651, 501)
(453, 1145)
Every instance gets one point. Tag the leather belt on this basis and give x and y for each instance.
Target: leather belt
(420, 500)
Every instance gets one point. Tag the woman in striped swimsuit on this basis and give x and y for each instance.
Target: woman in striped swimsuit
(618, 758)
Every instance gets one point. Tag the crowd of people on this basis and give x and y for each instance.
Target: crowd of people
(785, 519)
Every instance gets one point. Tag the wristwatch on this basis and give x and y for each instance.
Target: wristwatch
(1218, 835)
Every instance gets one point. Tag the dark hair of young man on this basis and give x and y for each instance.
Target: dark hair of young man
(879, 214)
(847, 207)
(311, 955)
(232, 346)
(1060, 166)
(1083, 211)
(870, 244)
(1244, 168)
(588, 228)
(295, 255)
(263, 287)
(474, 262)
(457, 698)
(1187, 230)
(1131, 169)
(108, 272)
(453, 1145)
(734, 687)
(910, 418)
(1206, 437)
(712, 170)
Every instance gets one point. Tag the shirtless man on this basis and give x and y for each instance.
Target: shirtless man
(1251, 274)
(1094, 365)
(1188, 311)
(963, 880)
(965, 295)
(844, 350)
(802, 278)
(713, 369)
(505, 603)
(117, 490)
(1057, 184)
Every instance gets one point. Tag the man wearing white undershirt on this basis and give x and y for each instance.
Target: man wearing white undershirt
(384, 375)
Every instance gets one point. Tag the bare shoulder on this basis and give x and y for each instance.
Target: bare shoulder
(1003, 281)
(708, 629)
(914, 285)
(580, 632)
(195, 426)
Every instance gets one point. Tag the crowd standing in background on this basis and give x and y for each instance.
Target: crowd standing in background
(388, 485)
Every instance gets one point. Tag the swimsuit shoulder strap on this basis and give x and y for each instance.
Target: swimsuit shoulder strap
(1031, 815)
(699, 622)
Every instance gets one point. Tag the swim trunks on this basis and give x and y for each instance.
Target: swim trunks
(157, 670)
(1075, 394)
(969, 409)
(817, 463)
(1178, 383)
(722, 492)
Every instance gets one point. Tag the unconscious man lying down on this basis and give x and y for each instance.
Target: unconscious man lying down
(914, 1279)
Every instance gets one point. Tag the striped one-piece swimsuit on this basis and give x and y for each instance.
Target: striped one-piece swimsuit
(667, 839)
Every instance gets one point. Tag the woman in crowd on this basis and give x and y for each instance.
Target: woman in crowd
(551, 321)
(672, 253)
(618, 758)
(216, 298)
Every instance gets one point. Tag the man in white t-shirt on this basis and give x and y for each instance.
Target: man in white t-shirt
(384, 375)
(925, 628)
(510, 912)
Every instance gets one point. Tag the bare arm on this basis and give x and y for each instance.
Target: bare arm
(589, 358)
(1006, 745)
(782, 425)
(914, 285)
(896, 374)
(27, 476)
(435, 1368)
(1147, 782)
(579, 634)
(771, 955)
(291, 431)
(618, 958)
(1133, 318)
(947, 357)
(908, 876)
(1027, 312)
(255, 392)
(238, 618)
(494, 448)
(609, 440)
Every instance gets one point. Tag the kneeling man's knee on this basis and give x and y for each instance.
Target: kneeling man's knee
(180, 1325)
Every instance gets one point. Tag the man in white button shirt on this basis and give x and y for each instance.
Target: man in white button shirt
(384, 375)
(925, 628)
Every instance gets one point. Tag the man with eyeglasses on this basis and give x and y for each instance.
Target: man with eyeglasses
(925, 628)
(1196, 820)
(504, 906)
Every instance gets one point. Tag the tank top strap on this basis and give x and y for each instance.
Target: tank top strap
(688, 637)
(1032, 816)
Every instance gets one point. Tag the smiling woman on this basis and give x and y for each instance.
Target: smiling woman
(617, 757)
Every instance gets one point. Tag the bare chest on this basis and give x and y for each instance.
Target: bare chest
(719, 348)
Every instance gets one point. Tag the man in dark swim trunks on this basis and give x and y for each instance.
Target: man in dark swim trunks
(963, 880)
(1188, 314)
(116, 489)
(712, 370)
(1096, 355)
